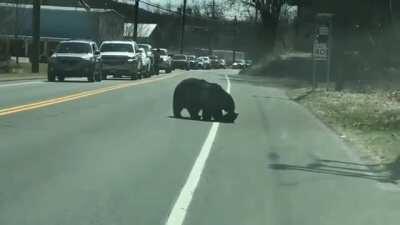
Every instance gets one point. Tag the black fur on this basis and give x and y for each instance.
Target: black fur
(196, 95)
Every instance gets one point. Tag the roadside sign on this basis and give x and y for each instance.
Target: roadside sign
(322, 47)
(323, 30)
(320, 51)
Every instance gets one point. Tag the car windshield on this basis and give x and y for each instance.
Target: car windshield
(145, 47)
(179, 57)
(161, 51)
(116, 47)
(74, 47)
(213, 57)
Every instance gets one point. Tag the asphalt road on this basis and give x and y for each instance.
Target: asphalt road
(109, 153)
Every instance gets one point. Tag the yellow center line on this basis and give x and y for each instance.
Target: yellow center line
(67, 98)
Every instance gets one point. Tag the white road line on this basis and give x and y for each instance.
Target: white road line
(21, 84)
(228, 87)
(181, 206)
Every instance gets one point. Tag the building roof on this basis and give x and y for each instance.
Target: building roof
(145, 30)
(59, 8)
(59, 23)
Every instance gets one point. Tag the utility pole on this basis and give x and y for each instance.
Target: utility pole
(16, 31)
(35, 36)
(234, 39)
(256, 19)
(135, 34)
(213, 9)
(183, 26)
(391, 12)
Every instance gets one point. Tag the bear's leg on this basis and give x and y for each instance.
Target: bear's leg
(217, 114)
(194, 113)
(177, 110)
(206, 114)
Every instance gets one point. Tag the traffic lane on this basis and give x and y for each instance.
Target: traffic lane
(19, 93)
(115, 158)
(260, 171)
(19, 83)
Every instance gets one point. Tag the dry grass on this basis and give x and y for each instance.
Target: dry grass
(370, 120)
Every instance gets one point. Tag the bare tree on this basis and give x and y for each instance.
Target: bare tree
(168, 5)
(269, 11)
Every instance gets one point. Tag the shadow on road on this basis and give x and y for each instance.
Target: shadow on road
(265, 81)
(199, 120)
(72, 81)
(387, 173)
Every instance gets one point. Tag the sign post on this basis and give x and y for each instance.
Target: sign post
(322, 47)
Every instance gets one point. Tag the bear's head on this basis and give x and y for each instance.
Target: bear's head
(228, 105)
(230, 117)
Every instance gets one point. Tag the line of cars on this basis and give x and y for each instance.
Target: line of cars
(82, 58)
(187, 62)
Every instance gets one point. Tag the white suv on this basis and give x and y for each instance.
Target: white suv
(120, 58)
(146, 62)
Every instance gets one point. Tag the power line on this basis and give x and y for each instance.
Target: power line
(175, 12)
(159, 7)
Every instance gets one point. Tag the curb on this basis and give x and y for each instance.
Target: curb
(21, 79)
(299, 96)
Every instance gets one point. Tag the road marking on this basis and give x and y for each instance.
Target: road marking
(21, 84)
(181, 206)
(45, 103)
(228, 87)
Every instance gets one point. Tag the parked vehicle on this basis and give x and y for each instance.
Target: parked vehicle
(249, 63)
(75, 58)
(192, 61)
(214, 62)
(199, 63)
(148, 49)
(180, 62)
(146, 63)
(221, 63)
(239, 64)
(165, 61)
(4, 58)
(120, 58)
(206, 62)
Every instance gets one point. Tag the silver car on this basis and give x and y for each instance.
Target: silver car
(165, 61)
(75, 58)
(120, 58)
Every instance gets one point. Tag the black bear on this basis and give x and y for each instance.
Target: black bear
(199, 95)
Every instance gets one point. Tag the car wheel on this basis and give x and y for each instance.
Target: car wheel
(149, 71)
(51, 77)
(103, 75)
(60, 78)
(134, 76)
(98, 76)
(168, 70)
(91, 77)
